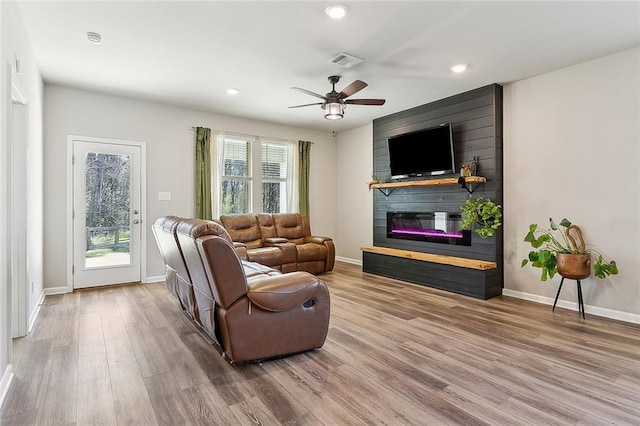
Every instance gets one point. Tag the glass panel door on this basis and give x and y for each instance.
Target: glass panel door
(107, 219)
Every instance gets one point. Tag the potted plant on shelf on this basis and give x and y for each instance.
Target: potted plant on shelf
(374, 180)
(556, 251)
(482, 215)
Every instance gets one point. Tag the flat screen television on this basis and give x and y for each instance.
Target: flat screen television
(425, 152)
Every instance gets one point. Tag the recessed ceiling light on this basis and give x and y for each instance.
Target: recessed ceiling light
(337, 11)
(459, 68)
(233, 91)
(94, 38)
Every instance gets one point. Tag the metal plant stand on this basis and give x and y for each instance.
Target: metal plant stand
(580, 299)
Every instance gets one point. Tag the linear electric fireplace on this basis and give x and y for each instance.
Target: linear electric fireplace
(434, 227)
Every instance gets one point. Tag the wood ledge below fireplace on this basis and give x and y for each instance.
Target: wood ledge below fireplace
(434, 258)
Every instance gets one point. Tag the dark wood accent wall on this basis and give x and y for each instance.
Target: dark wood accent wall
(476, 117)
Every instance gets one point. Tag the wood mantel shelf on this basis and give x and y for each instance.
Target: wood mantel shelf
(434, 258)
(428, 182)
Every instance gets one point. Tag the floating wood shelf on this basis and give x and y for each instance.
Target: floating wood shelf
(390, 186)
(429, 182)
(434, 258)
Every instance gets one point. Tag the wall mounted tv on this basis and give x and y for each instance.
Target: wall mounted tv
(425, 152)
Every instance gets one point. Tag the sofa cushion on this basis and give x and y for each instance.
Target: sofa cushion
(218, 268)
(289, 226)
(269, 256)
(267, 227)
(252, 269)
(243, 228)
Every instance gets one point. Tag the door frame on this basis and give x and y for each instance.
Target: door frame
(19, 289)
(143, 201)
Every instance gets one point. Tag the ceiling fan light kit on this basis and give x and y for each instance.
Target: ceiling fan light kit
(335, 102)
(333, 111)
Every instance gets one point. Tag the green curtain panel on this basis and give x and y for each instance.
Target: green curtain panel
(304, 160)
(203, 173)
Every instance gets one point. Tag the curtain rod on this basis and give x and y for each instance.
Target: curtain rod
(244, 135)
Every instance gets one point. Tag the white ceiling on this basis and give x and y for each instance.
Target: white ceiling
(188, 53)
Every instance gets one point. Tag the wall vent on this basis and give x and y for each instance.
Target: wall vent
(345, 60)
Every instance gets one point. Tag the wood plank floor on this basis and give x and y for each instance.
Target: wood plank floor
(396, 354)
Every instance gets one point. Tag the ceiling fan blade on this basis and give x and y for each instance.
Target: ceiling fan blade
(365, 101)
(308, 92)
(354, 87)
(305, 105)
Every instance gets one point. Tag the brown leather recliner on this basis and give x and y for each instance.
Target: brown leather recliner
(253, 311)
(244, 229)
(177, 276)
(315, 254)
(186, 229)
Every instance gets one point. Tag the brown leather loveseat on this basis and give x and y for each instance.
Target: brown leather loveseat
(289, 232)
(253, 311)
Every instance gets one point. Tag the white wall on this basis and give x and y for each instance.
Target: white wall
(170, 151)
(5, 296)
(354, 209)
(572, 149)
(15, 44)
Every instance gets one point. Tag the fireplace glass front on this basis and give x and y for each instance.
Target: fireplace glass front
(434, 227)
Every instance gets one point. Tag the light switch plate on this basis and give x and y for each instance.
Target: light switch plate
(164, 196)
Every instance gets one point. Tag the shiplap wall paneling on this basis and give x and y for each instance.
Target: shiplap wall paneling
(476, 118)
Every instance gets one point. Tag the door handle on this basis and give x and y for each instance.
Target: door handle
(135, 212)
(136, 221)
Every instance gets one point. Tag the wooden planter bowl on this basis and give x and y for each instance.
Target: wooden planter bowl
(574, 266)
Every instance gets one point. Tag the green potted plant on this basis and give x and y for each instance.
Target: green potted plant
(482, 215)
(374, 180)
(556, 251)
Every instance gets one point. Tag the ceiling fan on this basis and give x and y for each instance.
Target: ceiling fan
(334, 102)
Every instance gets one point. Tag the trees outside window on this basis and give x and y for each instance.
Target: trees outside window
(236, 177)
(255, 173)
(275, 170)
(107, 197)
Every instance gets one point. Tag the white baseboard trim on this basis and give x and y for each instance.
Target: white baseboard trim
(5, 383)
(349, 260)
(156, 279)
(34, 314)
(50, 291)
(566, 304)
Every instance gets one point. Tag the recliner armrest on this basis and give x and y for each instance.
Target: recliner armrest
(283, 292)
(316, 239)
(241, 250)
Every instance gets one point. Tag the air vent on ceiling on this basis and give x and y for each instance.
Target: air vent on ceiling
(345, 60)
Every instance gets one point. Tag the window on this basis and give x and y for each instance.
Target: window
(275, 170)
(256, 175)
(235, 182)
